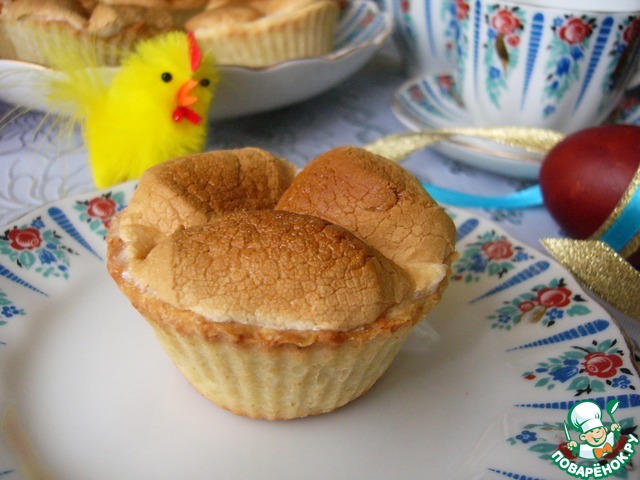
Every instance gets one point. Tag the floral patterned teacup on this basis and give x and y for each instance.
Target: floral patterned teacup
(424, 32)
(536, 63)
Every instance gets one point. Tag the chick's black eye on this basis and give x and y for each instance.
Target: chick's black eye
(205, 82)
(166, 77)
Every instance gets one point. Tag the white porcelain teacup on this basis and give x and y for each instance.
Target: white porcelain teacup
(561, 64)
(424, 32)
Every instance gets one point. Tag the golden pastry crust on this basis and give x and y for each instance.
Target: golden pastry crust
(270, 270)
(190, 191)
(273, 269)
(380, 203)
(164, 315)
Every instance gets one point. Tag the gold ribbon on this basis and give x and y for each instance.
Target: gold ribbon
(601, 269)
(631, 191)
(397, 147)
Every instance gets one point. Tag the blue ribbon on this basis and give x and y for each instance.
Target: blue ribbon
(626, 226)
(623, 230)
(526, 198)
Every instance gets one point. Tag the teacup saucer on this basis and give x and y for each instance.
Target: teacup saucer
(430, 102)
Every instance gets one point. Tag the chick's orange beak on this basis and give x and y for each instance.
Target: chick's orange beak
(186, 99)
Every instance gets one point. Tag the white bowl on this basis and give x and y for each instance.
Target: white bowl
(361, 31)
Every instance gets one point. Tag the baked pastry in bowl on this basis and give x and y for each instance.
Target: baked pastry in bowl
(252, 33)
(259, 33)
(269, 311)
(35, 28)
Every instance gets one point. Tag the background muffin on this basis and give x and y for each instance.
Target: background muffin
(38, 27)
(258, 33)
(252, 33)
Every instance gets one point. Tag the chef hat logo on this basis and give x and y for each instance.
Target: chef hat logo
(585, 416)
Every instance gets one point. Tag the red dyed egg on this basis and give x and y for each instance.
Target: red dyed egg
(584, 177)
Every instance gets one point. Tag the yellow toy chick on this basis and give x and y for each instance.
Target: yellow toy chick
(152, 109)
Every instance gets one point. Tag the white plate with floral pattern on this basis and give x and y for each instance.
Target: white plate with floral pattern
(361, 31)
(481, 390)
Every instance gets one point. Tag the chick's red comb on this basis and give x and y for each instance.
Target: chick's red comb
(195, 54)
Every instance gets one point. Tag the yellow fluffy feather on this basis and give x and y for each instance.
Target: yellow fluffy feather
(153, 108)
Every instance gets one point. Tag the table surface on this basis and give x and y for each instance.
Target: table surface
(36, 168)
